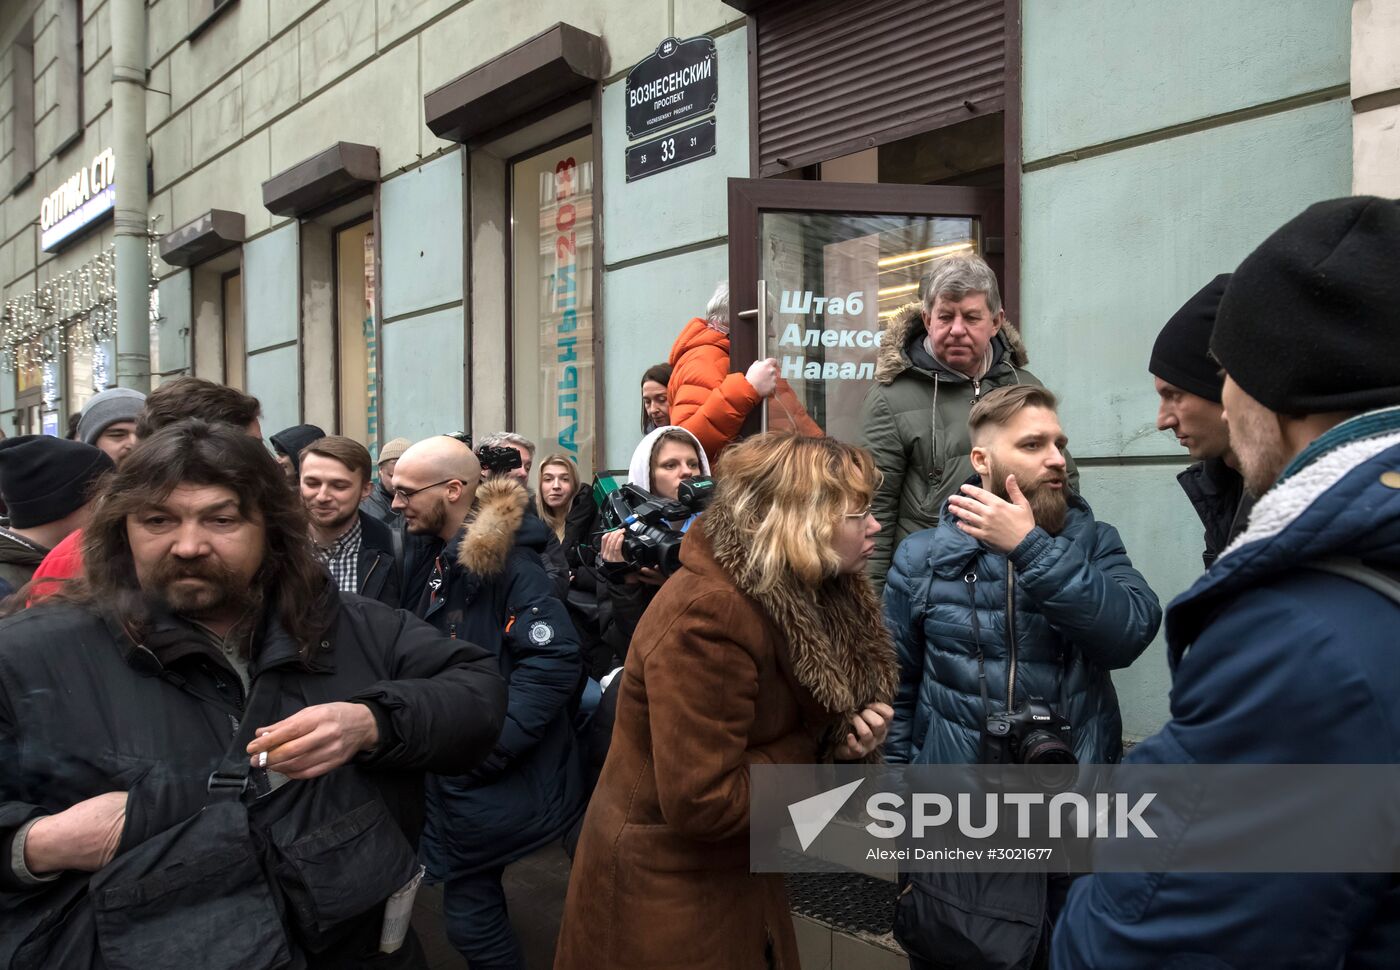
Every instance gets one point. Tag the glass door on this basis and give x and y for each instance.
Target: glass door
(822, 272)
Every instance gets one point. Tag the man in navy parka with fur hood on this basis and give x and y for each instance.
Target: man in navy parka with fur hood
(1273, 661)
(477, 575)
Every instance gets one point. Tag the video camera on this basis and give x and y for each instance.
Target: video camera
(648, 541)
(498, 460)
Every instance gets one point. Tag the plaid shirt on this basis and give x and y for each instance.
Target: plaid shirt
(342, 557)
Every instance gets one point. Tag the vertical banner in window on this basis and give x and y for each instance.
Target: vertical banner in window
(552, 301)
(566, 302)
(371, 357)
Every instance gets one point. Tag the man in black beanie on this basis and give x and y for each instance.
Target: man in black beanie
(1188, 386)
(287, 445)
(1284, 652)
(46, 484)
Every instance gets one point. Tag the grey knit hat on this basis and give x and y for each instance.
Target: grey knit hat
(105, 409)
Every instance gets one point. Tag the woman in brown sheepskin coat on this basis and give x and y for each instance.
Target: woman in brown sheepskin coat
(766, 647)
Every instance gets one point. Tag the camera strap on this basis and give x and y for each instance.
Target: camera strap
(971, 580)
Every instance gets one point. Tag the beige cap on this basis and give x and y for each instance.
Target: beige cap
(393, 449)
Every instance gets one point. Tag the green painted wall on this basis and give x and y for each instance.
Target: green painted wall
(1113, 245)
(1162, 143)
(1099, 70)
(647, 305)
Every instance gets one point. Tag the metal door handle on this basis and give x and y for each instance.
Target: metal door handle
(762, 311)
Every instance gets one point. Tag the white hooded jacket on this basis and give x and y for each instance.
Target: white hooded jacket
(639, 471)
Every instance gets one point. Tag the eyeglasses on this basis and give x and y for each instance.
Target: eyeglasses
(408, 493)
(857, 515)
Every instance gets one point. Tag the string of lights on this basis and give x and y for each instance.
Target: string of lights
(74, 310)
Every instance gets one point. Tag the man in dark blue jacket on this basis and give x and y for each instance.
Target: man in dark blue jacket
(1019, 595)
(1188, 382)
(1080, 608)
(476, 575)
(1272, 661)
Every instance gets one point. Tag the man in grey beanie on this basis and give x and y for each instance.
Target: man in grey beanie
(108, 421)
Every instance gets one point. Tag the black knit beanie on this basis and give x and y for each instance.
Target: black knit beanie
(290, 441)
(1311, 320)
(1181, 355)
(44, 479)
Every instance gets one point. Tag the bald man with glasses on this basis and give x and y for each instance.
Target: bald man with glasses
(477, 575)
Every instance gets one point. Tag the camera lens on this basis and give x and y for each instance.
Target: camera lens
(1044, 748)
(1054, 766)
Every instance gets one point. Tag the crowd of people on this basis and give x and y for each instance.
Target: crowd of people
(252, 696)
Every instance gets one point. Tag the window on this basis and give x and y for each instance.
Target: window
(70, 74)
(231, 311)
(22, 106)
(204, 12)
(552, 300)
(29, 399)
(91, 368)
(357, 345)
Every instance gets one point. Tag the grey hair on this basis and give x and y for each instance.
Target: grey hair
(957, 276)
(717, 310)
(499, 439)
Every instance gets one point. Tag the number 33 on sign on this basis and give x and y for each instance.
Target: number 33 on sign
(689, 144)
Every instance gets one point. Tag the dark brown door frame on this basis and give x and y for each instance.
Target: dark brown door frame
(1011, 166)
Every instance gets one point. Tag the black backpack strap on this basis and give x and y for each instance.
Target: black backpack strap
(1387, 583)
(230, 778)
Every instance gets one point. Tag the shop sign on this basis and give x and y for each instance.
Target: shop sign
(669, 151)
(86, 196)
(680, 81)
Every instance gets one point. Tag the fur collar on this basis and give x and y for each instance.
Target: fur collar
(490, 533)
(837, 642)
(1285, 502)
(893, 361)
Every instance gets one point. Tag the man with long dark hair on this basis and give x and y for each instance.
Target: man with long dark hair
(207, 635)
(177, 399)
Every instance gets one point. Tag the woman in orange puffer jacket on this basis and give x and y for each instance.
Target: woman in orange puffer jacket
(711, 402)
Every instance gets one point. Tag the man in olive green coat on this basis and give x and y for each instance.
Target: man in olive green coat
(936, 360)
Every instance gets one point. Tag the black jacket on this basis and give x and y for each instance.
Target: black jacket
(494, 592)
(379, 504)
(18, 560)
(1217, 492)
(626, 604)
(84, 711)
(379, 568)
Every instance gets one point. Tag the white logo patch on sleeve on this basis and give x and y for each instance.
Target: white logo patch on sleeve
(541, 633)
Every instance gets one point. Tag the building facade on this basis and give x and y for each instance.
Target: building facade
(402, 217)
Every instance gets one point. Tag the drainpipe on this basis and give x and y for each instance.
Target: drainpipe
(130, 219)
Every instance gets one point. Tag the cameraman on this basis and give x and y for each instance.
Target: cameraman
(1078, 609)
(667, 457)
